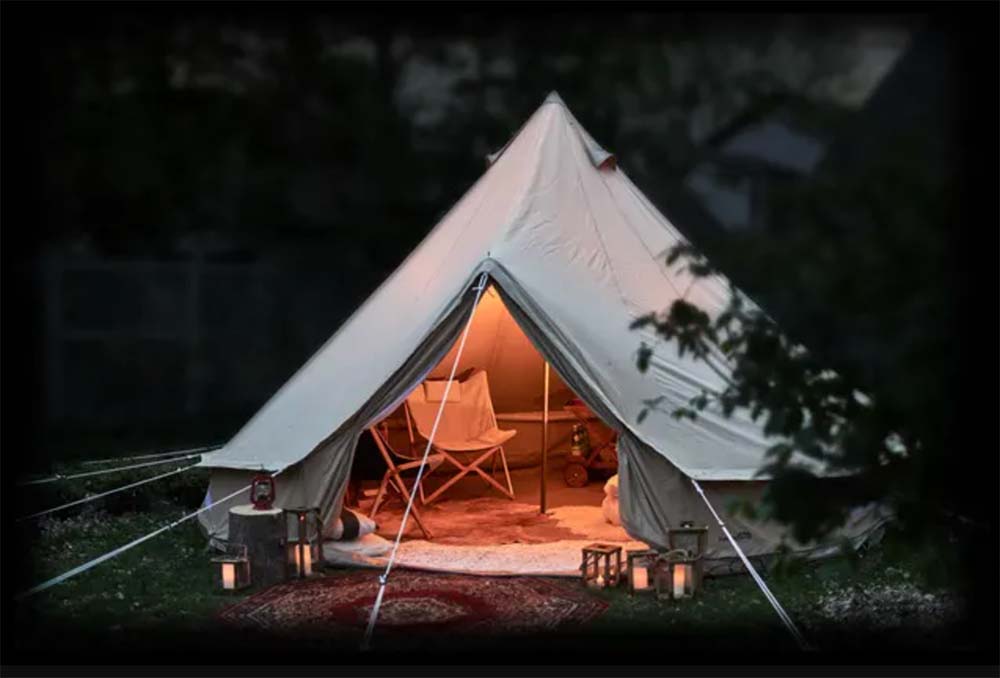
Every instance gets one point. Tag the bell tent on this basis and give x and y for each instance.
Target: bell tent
(573, 253)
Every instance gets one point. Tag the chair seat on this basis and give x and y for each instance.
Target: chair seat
(484, 441)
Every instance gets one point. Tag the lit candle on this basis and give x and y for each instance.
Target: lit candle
(228, 576)
(600, 581)
(680, 580)
(303, 562)
(640, 578)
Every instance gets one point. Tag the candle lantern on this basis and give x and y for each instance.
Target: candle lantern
(305, 541)
(688, 537)
(602, 565)
(693, 540)
(262, 492)
(676, 575)
(232, 568)
(640, 568)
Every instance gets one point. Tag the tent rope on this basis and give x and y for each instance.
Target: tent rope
(121, 549)
(104, 494)
(793, 629)
(101, 472)
(384, 577)
(49, 583)
(156, 455)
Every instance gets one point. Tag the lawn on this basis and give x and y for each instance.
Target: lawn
(160, 594)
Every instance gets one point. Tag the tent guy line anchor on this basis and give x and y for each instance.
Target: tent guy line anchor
(384, 577)
(799, 638)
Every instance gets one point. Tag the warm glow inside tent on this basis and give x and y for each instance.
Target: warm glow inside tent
(573, 253)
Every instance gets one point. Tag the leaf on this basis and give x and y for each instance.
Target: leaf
(643, 357)
(643, 321)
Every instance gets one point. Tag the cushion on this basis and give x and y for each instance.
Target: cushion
(351, 525)
(609, 507)
(434, 391)
(611, 487)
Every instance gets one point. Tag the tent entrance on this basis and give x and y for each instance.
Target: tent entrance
(474, 527)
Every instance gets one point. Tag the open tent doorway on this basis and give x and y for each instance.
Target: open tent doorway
(537, 513)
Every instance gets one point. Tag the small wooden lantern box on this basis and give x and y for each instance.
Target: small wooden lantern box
(640, 569)
(598, 569)
(232, 568)
(305, 541)
(693, 540)
(676, 575)
(688, 537)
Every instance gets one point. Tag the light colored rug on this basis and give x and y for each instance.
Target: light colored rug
(558, 557)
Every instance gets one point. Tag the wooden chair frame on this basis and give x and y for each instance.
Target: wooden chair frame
(393, 479)
(465, 469)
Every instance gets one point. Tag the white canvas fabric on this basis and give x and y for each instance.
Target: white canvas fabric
(576, 252)
(585, 245)
(467, 423)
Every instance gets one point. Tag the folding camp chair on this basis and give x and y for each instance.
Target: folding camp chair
(393, 477)
(468, 426)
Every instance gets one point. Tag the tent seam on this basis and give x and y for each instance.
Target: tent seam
(600, 239)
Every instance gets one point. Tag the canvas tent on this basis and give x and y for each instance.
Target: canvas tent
(576, 253)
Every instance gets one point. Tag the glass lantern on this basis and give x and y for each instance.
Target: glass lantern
(304, 546)
(232, 568)
(640, 568)
(676, 575)
(688, 537)
(602, 565)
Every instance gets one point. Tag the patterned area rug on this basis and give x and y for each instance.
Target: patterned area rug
(417, 601)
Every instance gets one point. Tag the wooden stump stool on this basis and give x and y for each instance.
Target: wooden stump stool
(264, 534)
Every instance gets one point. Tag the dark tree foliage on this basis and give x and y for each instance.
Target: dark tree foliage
(853, 364)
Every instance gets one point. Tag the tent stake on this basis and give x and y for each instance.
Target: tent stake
(545, 439)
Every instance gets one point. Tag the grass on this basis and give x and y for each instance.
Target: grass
(164, 588)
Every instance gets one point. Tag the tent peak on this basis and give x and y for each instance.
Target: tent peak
(599, 157)
(554, 98)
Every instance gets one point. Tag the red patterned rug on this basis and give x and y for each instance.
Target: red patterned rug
(418, 601)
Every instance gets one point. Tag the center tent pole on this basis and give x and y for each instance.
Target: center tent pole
(545, 438)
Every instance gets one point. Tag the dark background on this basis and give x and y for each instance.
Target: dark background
(196, 196)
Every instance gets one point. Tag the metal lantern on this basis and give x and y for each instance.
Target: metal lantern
(692, 540)
(232, 568)
(602, 565)
(640, 568)
(263, 492)
(304, 547)
(688, 537)
(677, 575)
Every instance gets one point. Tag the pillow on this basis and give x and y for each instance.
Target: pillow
(609, 507)
(350, 525)
(434, 391)
(611, 487)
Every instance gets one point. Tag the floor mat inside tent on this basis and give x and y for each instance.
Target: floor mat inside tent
(475, 531)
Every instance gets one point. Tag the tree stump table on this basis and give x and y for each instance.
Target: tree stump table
(264, 534)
